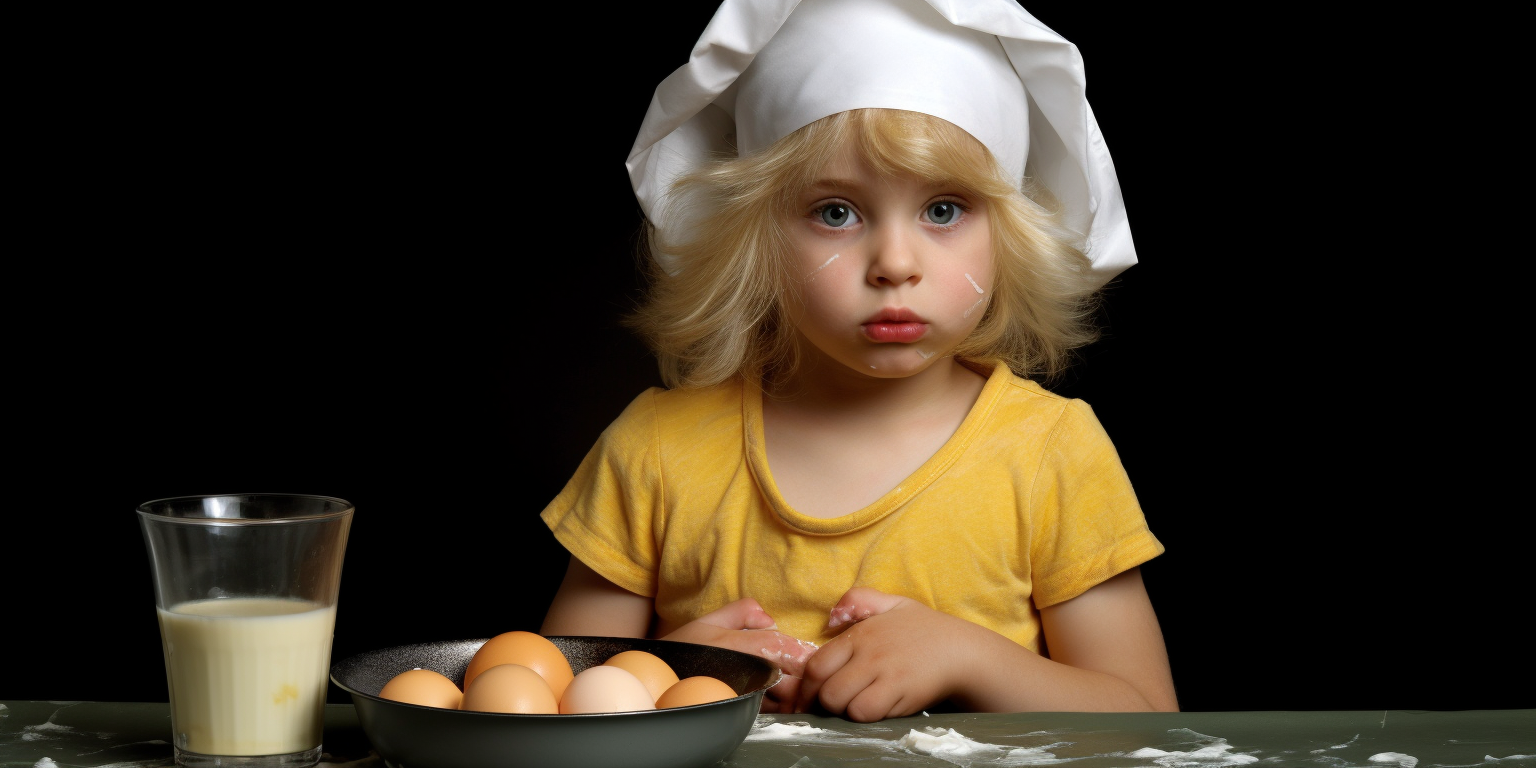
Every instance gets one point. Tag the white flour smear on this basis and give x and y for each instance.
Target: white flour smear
(44, 731)
(943, 743)
(1207, 756)
(1210, 752)
(1186, 749)
(952, 746)
(808, 735)
(1352, 740)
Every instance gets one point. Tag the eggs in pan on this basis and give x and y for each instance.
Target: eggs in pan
(425, 688)
(652, 671)
(528, 649)
(699, 689)
(511, 688)
(524, 673)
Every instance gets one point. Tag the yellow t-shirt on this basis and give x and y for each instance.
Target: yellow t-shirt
(1026, 505)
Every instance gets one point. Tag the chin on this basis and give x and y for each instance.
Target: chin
(895, 366)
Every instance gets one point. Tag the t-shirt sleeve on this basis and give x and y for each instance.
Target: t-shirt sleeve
(1087, 525)
(605, 515)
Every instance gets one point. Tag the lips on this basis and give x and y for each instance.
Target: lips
(895, 325)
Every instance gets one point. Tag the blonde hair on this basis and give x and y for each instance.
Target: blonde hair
(720, 311)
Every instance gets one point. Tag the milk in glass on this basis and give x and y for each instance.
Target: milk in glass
(247, 676)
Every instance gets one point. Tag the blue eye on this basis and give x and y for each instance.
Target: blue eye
(836, 215)
(943, 213)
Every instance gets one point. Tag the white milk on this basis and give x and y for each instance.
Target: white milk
(247, 676)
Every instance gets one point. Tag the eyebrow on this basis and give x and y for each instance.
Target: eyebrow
(834, 184)
(831, 185)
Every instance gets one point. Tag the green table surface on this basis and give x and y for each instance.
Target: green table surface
(45, 734)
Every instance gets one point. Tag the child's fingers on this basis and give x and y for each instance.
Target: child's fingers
(873, 701)
(786, 652)
(838, 691)
(745, 613)
(780, 699)
(789, 653)
(860, 603)
(744, 626)
(828, 660)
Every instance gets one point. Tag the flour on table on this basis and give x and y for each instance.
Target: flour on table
(1215, 752)
(777, 731)
(807, 734)
(44, 731)
(1406, 761)
(1338, 746)
(46, 762)
(943, 743)
(953, 746)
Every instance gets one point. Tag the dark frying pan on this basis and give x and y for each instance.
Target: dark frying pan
(411, 736)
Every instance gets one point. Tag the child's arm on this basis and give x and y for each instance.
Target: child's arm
(588, 604)
(1106, 654)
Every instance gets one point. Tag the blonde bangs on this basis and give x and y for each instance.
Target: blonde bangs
(897, 143)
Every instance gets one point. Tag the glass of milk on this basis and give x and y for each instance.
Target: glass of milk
(246, 587)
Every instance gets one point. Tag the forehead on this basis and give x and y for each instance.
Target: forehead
(843, 167)
(847, 169)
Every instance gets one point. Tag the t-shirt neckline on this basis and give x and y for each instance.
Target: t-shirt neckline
(757, 461)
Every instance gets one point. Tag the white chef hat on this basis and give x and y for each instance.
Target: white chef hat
(765, 68)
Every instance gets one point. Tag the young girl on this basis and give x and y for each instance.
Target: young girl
(873, 224)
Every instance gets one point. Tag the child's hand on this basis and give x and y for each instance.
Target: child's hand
(896, 657)
(744, 626)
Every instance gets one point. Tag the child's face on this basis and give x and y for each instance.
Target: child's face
(895, 272)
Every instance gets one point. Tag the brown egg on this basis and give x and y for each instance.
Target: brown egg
(605, 689)
(655, 673)
(533, 651)
(423, 687)
(695, 690)
(511, 688)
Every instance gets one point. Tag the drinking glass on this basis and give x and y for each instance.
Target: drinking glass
(245, 589)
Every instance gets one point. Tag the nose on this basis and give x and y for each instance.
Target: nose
(894, 259)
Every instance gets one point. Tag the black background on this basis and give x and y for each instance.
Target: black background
(383, 257)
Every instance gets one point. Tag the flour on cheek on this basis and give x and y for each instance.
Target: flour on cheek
(980, 301)
(816, 271)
